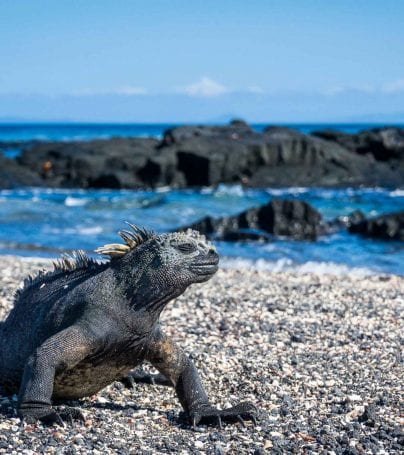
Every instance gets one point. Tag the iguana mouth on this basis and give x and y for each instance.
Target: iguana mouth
(206, 268)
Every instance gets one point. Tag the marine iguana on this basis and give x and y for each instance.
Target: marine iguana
(78, 328)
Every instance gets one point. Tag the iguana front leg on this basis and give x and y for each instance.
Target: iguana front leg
(172, 362)
(59, 352)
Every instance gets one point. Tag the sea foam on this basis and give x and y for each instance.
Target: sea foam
(287, 265)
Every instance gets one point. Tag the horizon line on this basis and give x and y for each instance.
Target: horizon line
(191, 123)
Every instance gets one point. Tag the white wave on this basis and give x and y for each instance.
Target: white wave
(229, 190)
(82, 230)
(332, 268)
(287, 265)
(397, 193)
(163, 189)
(287, 191)
(89, 230)
(75, 202)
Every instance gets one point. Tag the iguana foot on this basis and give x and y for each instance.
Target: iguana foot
(209, 414)
(69, 414)
(49, 416)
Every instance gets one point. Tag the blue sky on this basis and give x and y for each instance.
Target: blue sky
(286, 61)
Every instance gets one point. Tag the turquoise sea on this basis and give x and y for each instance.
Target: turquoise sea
(46, 222)
(87, 131)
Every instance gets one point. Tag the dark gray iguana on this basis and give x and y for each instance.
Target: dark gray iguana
(82, 326)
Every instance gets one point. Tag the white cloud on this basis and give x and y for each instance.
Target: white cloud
(205, 87)
(394, 87)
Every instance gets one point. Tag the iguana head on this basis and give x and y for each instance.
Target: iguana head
(187, 256)
(164, 264)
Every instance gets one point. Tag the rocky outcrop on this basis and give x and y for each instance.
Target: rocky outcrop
(193, 156)
(12, 175)
(345, 221)
(284, 218)
(277, 157)
(386, 227)
(297, 220)
(384, 144)
(114, 163)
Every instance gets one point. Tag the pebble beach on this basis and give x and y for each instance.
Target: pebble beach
(319, 355)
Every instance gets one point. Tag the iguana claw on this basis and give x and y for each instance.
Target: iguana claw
(70, 414)
(210, 414)
(50, 416)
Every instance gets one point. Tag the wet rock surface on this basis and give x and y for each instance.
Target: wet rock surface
(13, 175)
(346, 221)
(279, 217)
(319, 355)
(386, 227)
(192, 156)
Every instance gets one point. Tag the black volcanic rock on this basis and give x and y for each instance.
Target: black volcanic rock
(12, 175)
(114, 163)
(288, 218)
(309, 160)
(383, 143)
(236, 128)
(387, 227)
(277, 157)
(194, 156)
(346, 221)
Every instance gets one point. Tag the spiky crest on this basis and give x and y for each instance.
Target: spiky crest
(132, 240)
(76, 260)
(68, 263)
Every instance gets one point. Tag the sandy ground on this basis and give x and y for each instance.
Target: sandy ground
(320, 356)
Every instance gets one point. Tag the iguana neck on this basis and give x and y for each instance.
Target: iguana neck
(143, 289)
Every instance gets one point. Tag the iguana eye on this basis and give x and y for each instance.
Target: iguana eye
(186, 247)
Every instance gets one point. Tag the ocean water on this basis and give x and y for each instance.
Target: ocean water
(87, 131)
(47, 222)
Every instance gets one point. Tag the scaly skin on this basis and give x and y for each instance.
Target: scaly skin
(77, 329)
